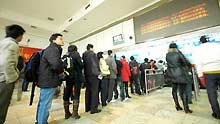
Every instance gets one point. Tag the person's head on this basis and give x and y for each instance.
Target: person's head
(151, 61)
(57, 39)
(15, 31)
(132, 58)
(160, 61)
(99, 55)
(72, 48)
(173, 45)
(110, 52)
(146, 60)
(203, 39)
(122, 57)
(89, 47)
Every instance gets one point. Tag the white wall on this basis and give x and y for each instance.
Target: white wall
(35, 41)
(103, 40)
(157, 49)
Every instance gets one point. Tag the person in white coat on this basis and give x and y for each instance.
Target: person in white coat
(207, 61)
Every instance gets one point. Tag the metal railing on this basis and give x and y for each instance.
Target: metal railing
(195, 83)
(153, 79)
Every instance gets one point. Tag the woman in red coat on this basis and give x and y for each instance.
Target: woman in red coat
(125, 74)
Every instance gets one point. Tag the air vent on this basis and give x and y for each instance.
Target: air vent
(87, 6)
(33, 27)
(50, 18)
(70, 19)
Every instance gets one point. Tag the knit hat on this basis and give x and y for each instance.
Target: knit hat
(173, 45)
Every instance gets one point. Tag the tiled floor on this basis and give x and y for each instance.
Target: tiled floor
(155, 108)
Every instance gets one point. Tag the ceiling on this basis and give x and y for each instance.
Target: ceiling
(69, 15)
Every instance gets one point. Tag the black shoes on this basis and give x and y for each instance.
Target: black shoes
(188, 111)
(179, 108)
(97, 111)
(215, 116)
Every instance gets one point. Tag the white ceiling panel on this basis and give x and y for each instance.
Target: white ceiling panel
(101, 13)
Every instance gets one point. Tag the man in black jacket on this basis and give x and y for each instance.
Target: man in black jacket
(143, 66)
(92, 72)
(50, 72)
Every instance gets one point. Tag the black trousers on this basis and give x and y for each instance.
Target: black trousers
(116, 89)
(6, 91)
(91, 95)
(212, 84)
(77, 85)
(126, 89)
(134, 81)
(182, 93)
(143, 84)
(104, 90)
(68, 90)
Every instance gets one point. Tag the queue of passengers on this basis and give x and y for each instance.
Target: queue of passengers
(101, 75)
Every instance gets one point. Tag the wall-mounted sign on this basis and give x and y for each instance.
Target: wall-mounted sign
(118, 39)
(176, 17)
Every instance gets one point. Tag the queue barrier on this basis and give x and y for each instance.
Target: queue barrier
(195, 83)
(154, 79)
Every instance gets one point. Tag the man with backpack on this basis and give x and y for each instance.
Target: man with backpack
(134, 75)
(73, 68)
(49, 78)
(9, 73)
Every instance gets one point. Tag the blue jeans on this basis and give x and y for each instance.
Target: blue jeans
(104, 92)
(44, 104)
(122, 88)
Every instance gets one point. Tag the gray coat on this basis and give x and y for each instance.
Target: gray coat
(9, 53)
(112, 67)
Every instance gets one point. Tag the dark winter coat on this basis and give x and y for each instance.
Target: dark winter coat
(51, 66)
(91, 64)
(77, 67)
(119, 66)
(177, 67)
(144, 66)
(134, 67)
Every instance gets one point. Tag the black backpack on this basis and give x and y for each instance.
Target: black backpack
(68, 65)
(32, 67)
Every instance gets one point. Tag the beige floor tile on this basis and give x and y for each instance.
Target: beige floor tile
(154, 108)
